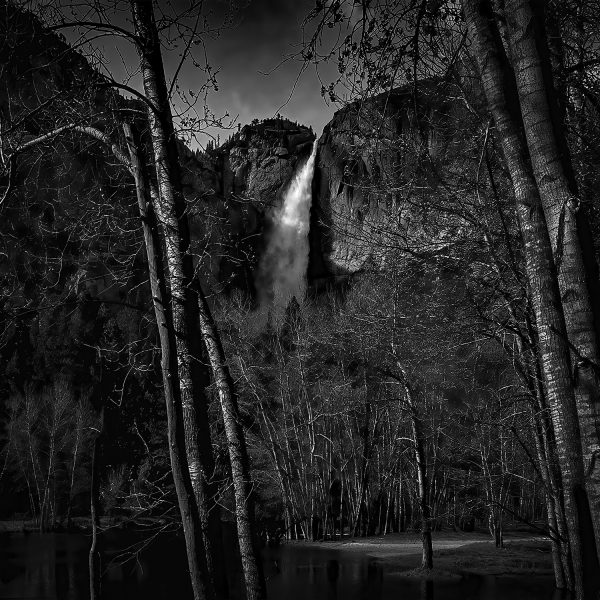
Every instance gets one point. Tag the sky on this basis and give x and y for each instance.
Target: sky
(254, 79)
(251, 84)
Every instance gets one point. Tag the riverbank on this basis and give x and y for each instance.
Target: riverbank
(154, 568)
(78, 524)
(455, 554)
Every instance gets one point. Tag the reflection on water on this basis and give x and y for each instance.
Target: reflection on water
(306, 572)
(42, 567)
(54, 566)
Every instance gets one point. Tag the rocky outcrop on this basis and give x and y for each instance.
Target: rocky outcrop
(376, 183)
(377, 170)
(67, 241)
(258, 162)
(375, 174)
(233, 189)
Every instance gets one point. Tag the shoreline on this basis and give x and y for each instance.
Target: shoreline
(78, 525)
(455, 554)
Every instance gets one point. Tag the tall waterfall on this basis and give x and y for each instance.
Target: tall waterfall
(282, 269)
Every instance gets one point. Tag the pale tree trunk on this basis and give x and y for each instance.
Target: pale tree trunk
(546, 448)
(543, 287)
(423, 492)
(173, 221)
(555, 509)
(94, 553)
(363, 472)
(274, 449)
(553, 501)
(78, 430)
(192, 527)
(238, 454)
(566, 223)
(420, 455)
(28, 399)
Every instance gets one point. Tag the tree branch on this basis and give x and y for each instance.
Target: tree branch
(97, 25)
(121, 86)
(11, 180)
(93, 132)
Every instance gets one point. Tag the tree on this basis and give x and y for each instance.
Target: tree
(49, 434)
(544, 294)
(391, 43)
(183, 320)
(567, 221)
(188, 308)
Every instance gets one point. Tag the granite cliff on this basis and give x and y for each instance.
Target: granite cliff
(370, 184)
(379, 174)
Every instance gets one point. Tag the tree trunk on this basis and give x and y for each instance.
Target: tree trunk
(566, 221)
(552, 497)
(238, 454)
(555, 509)
(94, 554)
(363, 478)
(192, 527)
(172, 219)
(543, 285)
(75, 454)
(420, 458)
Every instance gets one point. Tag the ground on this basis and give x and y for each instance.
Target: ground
(455, 554)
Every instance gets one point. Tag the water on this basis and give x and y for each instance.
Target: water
(282, 270)
(54, 566)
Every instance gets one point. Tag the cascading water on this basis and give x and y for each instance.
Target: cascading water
(282, 269)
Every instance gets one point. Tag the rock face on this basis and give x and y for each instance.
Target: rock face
(375, 161)
(368, 188)
(377, 183)
(258, 162)
(230, 190)
(62, 242)
(235, 187)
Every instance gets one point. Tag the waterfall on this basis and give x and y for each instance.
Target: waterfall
(282, 269)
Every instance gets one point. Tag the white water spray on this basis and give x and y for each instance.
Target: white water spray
(282, 269)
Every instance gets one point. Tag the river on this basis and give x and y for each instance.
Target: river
(54, 566)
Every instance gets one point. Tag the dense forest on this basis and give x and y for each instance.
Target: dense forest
(414, 348)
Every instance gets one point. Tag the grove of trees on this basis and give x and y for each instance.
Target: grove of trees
(450, 381)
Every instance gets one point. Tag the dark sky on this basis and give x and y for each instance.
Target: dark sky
(258, 36)
(265, 32)
(254, 80)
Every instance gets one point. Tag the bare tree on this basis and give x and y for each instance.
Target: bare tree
(184, 303)
(545, 297)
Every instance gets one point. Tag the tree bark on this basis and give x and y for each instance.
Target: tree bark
(363, 474)
(553, 501)
(173, 221)
(543, 285)
(420, 459)
(238, 454)
(192, 527)
(566, 223)
(94, 553)
(73, 468)
(421, 463)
